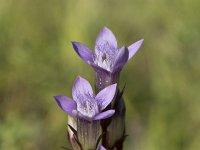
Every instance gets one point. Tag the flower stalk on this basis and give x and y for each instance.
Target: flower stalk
(104, 79)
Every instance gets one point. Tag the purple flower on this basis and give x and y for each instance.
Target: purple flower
(85, 105)
(108, 57)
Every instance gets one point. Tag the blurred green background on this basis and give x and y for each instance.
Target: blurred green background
(37, 62)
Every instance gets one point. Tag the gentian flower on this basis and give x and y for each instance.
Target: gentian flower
(85, 105)
(108, 57)
(87, 108)
(108, 61)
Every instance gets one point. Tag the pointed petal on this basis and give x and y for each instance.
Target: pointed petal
(66, 104)
(105, 96)
(104, 115)
(106, 40)
(83, 51)
(134, 48)
(81, 89)
(121, 59)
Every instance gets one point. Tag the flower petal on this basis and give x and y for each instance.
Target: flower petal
(66, 104)
(121, 59)
(81, 88)
(105, 96)
(83, 51)
(79, 115)
(104, 115)
(106, 40)
(134, 48)
(98, 69)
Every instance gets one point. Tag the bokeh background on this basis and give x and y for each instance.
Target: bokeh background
(37, 62)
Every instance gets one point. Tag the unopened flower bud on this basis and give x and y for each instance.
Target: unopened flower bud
(116, 129)
(72, 133)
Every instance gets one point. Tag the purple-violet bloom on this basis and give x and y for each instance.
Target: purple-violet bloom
(108, 57)
(85, 105)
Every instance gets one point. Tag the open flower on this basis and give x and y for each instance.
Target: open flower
(85, 105)
(108, 57)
